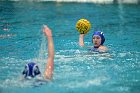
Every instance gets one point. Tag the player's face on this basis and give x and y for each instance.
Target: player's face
(96, 40)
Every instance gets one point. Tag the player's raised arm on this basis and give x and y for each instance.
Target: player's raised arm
(50, 61)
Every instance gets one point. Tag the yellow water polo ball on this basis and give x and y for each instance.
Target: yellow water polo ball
(83, 26)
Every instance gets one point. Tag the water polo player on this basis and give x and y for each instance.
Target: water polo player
(31, 69)
(98, 40)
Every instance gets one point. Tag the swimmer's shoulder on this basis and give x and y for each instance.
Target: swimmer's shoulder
(103, 48)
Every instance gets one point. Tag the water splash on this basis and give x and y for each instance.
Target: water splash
(43, 48)
(98, 81)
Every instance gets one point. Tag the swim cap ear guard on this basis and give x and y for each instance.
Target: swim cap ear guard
(36, 70)
(99, 33)
(31, 69)
(25, 71)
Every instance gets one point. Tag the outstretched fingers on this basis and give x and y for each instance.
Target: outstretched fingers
(47, 30)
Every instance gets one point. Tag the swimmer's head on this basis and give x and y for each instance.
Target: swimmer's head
(101, 35)
(31, 69)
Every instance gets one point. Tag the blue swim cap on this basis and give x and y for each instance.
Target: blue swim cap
(31, 69)
(99, 33)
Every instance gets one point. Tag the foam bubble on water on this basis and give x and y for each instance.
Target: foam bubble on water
(122, 89)
(12, 83)
(77, 51)
(98, 81)
(17, 82)
(122, 54)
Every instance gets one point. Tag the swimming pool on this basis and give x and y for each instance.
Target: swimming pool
(76, 70)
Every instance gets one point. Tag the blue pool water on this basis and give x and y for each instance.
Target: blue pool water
(76, 70)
